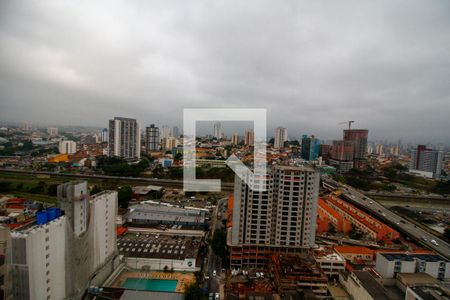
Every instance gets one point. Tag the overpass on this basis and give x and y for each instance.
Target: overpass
(422, 236)
(413, 200)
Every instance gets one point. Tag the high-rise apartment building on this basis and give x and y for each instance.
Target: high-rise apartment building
(38, 266)
(90, 238)
(281, 218)
(310, 148)
(249, 138)
(280, 137)
(325, 151)
(25, 126)
(169, 143)
(351, 152)
(359, 139)
(394, 150)
(125, 138)
(52, 131)
(104, 135)
(379, 149)
(151, 138)
(235, 139)
(67, 147)
(369, 149)
(175, 132)
(342, 156)
(67, 250)
(426, 162)
(166, 132)
(218, 132)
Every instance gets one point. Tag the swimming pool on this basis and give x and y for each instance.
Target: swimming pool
(157, 285)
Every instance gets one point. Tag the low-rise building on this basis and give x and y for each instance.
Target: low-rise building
(356, 254)
(372, 227)
(156, 251)
(363, 285)
(388, 265)
(428, 292)
(333, 217)
(153, 214)
(329, 261)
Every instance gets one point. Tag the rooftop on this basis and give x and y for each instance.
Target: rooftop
(354, 249)
(371, 285)
(152, 245)
(431, 292)
(368, 221)
(164, 212)
(145, 189)
(411, 257)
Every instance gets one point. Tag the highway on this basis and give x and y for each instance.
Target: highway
(425, 238)
(155, 181)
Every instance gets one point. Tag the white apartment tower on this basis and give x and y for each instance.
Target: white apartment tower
(103, 208)
(125, 138)
(379, 149)
(38, 265)
(218, 132)
(67, 147)
(57, 257)
(280, 137)
(284, 215)
(52, 131)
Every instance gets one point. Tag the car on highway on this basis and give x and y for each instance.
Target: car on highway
(217, 296)
(214, 273)
(433, 241)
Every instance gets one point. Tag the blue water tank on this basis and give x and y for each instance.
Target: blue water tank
(51, 214)
(41, 217)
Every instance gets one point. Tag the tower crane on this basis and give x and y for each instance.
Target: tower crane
(349, 124)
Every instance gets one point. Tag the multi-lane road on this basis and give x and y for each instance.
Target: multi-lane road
(213, 268)
(425, 238)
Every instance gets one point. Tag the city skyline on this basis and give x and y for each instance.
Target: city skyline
(312, 69)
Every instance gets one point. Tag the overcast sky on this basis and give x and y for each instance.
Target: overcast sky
(384, 64)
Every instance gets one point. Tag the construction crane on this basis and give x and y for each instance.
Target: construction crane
(349, 124)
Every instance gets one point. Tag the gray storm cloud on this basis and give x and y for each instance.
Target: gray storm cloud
(312, 64)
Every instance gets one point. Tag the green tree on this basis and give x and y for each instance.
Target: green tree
(39, 188)
(95, 190)
(193, 292)
(27, 145)
(124, 196)
(5, 186)
(52, 189)
(219, 246)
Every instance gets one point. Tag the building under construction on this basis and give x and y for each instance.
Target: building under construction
(297, 273)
